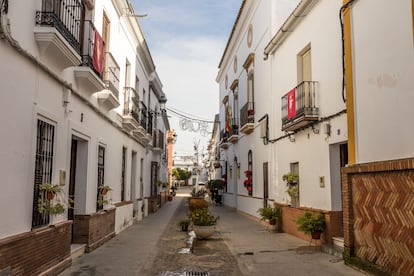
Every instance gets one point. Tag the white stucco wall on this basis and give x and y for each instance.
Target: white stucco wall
(320, 29)
(28, 94)
(383, 59)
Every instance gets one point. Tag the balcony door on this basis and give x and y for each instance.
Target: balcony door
(306, 75)
(306, 65)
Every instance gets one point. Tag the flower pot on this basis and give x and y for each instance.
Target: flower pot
(197, 203)
(204, 232)
(170, 198)
(316, 235)
(104, 192)
(50, 195)
(272, 221)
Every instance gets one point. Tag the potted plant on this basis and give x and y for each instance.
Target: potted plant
(248, 183)
(46, 206)
(270, 214)
(50, 190)
(204, 223)
(313, 224)
(47, 202)
(292, 181)
(103, 189)
(197, 200)
(184, 223)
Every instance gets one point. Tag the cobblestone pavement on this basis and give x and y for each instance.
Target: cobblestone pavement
(240, 246)
(211, 255)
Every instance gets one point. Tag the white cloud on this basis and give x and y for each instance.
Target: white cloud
(186, 40)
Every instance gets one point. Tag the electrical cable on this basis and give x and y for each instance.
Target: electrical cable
(190, 117)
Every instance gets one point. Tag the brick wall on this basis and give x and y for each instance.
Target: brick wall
(94, 229)
(378, 202)
(37, 251)
(333, 223)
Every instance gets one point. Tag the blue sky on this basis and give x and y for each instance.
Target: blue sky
(187, 39)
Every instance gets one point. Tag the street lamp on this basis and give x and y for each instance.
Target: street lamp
(162, 101)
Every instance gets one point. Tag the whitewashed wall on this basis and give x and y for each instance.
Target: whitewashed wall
(383, 59)
(320, 29)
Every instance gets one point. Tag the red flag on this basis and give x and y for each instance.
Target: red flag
(291, 103)
(97, 58)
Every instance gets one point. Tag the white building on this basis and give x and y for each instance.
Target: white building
(378, 184)
(279, 49)
(82, 107)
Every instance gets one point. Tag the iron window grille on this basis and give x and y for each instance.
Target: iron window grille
(43, 168)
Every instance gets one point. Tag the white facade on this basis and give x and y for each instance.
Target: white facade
(282, 31)
(43, 80)
(383, 79)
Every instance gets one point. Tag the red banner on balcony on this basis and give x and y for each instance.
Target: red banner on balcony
(97, 58)
(291, 103)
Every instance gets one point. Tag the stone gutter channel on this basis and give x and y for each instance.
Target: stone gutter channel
(182, 254)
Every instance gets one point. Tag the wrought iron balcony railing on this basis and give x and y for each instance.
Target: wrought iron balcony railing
(131, 102)
(223, 136)
(66, 16)
(111, 74)
(144, 115)
(150, 121)
(299, 106)
(92, 50)
(247, 114)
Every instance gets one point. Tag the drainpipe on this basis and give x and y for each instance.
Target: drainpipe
(345, 15)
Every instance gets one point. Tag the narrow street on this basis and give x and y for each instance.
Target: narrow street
(239, 247)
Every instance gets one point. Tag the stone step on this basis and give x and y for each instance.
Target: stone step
(338, 241)
(77, 250)
(333, 250)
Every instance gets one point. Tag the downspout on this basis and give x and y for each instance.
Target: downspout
(345, 16)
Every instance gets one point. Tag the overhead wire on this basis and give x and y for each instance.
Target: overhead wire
(182, 114)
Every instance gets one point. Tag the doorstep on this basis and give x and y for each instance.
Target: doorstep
(77, 250)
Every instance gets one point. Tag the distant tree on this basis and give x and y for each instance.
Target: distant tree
(181, 174)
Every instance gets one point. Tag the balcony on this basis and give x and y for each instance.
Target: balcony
(109, 98)
(247, 118)
(130, 117)
(58, 32)
(234, 133)
(224, 139)
(89, 74)
(299, 106)
(158, 141)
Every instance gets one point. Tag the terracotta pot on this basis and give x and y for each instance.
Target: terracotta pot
(50, 195)
(272, 221)
(316, 235)
(197, 203)
(170, 198)
(104, 192)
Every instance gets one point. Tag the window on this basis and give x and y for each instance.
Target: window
(235, 120)
(250, 168)
(43, 167)
(105, 38)
(101, 174)
(294, 169)
(123, 173)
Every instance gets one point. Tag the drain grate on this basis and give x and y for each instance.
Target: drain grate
(196, 273)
